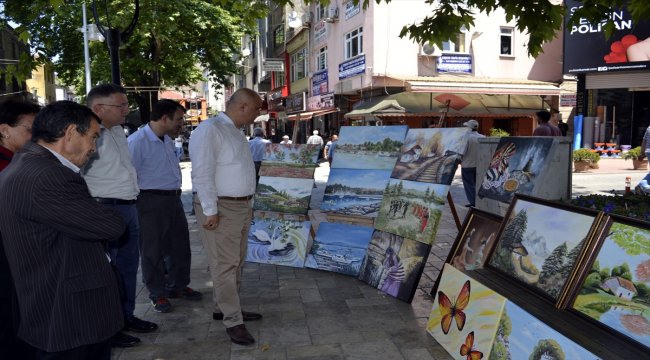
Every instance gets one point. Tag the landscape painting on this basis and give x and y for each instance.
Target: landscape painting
(290, 160)
(540, 244)
(465, 315)
(354, 192)
(431, 155)
(412, 209)
(285, 195)
(475, 240)
(516, 166)
(523, 336)
(278, 241)
(368, 147)
(616, 291)
(339, 248)
(394, 264)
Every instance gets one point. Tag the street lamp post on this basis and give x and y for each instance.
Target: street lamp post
(90, 34)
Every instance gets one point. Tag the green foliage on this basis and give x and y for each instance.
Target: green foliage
(593, 281)
(585, 155)
(547, 349)
(496, 132)
(643, 291)
(554, 263)
(622, 271)
(633, 240)
(633, 154)
(500, 349)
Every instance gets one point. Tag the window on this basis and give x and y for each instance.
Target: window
(506, 41)
(278, 36)
(455, 45)
(298, 64)
(321, 11)
(354, 43)
(321, 63)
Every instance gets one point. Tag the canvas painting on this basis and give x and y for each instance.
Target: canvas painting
(523, 336)
(517, 164)
(540, 243)
(290, 160)
(412, 209)
(339, 248)
(285, 195)
(616, 290)
(475, 240)
(368, 147)
(354, 192)
(394, 264)
(431, 155)
(465, 315)
(278, 241)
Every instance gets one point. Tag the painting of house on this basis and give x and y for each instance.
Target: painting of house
(431, 155)
(290, 160)
(354, 192)
(339, 248)
(278, 241)
(620, 287)
(475, 240)
(412, 209)
(285, 195)
(394, 264)
(368, 147)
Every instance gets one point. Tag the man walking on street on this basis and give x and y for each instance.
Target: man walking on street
(468, 164)
(223, 176)
(258, 146)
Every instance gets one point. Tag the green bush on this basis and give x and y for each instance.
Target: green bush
(496, 132)
(586, 155)
(634, 154)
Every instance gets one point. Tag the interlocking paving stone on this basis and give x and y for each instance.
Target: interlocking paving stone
(371, 350)
(416, 354)
(315, 352)
(288, 335)
(310, 295)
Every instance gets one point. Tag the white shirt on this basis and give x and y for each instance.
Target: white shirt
(110, 172)
(471, 154)
(286, 142)
(222, 164)
(315, 140)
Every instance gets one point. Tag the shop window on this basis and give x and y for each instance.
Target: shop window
(354, 43)
(321, 63)
(506, 41)
(456, 44)
(298, 64)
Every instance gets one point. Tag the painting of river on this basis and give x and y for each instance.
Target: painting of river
(354, 192)
(290, 160)
(368, 147)
(339, 248)
(278, 242)
(285, 195)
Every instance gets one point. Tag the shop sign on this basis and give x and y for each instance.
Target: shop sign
(456, 63)
(320, 31)
(319, 83)
(351, 9)
(296, 103)
(324, 101)
(352, 67)
(276, 104)
(568, 100)
(273, 65)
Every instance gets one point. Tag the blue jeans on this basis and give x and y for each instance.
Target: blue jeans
(469, 183)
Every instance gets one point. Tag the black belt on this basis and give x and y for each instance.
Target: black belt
(111, 201)
(162, 192)
(236, 198)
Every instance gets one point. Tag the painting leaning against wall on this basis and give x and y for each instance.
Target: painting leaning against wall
(339, 248)
(285, 195)
(290, 160)
(278, 241)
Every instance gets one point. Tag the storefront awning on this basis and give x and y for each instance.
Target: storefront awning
(379, 106)
(262, 118)
(474, 85)
(309, 114)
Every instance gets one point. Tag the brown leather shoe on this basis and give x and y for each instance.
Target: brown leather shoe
(246, 315)
(239, 335)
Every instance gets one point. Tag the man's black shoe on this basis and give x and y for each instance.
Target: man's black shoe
(239, 335)
(124, 340)
(139, 325)
(248, 316)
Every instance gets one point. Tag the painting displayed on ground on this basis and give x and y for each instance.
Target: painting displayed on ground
(465, 315)
(339, 248)
(355, 192)
(278, 241)
(431, 155)
(516, 166)
(394, 264)
(290, 160)
(540, 243)
(523, 336)
(476, 240)
(368, 147)
(286, 195)
(412, 209)
(616, 290)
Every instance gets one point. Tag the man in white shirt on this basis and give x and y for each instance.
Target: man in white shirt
(315, 139)
(468, 164)
(223, 177)
(285, 140)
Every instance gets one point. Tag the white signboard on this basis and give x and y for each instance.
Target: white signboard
(351, 9)
(273, 65)
(320, 31)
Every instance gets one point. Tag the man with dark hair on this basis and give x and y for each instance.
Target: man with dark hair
(54, 235)
(112, 181)
(545, 128)
(164, 232)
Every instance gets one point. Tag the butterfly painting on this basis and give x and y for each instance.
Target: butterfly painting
(450, 311)
(467, 349)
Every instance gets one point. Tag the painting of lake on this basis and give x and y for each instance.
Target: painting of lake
(368, 147)
(354, 192)
(290, 160)
(286, 195)
(339, 248)
(278, 241)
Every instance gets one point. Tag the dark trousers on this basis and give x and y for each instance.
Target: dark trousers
(469, 183)
(99, 351)
(125, 255)
(258, 165)
(164, 234)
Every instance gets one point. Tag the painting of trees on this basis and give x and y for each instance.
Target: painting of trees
(547, 349)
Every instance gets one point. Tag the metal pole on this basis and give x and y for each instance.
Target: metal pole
(86, 51)
(113, 40)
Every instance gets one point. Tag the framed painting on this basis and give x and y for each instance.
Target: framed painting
(475, 240)
(394, 264)
(278, 241)
(516, 166)
(355, 192)
(368, 147)
(412, 209)
(285, 195)
(540, 243)
(290, 160)
(465, 315)
(523, 336)
(614, 287)
(431, 155)
(339, 248)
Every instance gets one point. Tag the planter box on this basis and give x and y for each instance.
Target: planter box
(640, 164)
(581, 166)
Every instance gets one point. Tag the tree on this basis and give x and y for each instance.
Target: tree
(622, 271)
(547, 349)
(571, 259)
(633, 240)
(554, 263)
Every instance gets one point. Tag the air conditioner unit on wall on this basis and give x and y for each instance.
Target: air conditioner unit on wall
(429, 49)
(332, 14)
(306, 18)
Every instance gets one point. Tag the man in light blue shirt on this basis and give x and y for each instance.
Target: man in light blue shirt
(164, 233)
(258, 145)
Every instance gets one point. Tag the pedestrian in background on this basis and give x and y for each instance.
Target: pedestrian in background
(468, 164)
(315, 139)
(285, 140)
(327, 147)
(257, 146)
(545, 128)
(331, 148)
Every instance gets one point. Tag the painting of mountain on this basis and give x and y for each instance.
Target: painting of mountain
(368, 147)
(394, 264)
(540, 244)
(476, 240)
(516, 166)
(431, 155)
(285, 195)
(354, 192)
(412, 209)
(523, 336)
(616, 291)
(339, 248)
(290, 160)
(278, 241)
